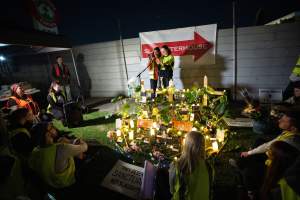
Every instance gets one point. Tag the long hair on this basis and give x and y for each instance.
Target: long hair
(157, 49)
(51, 90)
(282, 156)
(193, 151)
(167, 49)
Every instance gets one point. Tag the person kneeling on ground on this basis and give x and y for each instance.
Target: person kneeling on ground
(54, 162)
(56, 99)
(189, 176)
(281, 156)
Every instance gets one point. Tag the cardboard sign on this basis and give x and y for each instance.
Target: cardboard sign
(144, 123)
(125, 178)
(183, 126)
(131, 180)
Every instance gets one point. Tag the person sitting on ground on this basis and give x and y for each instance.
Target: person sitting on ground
(189, 176)
(295, 99)
(20, 123)
(54, 162)
(20, 99)
(56, 99)
(290, 125)
(12, 184)
(289, 184)
(281, 156)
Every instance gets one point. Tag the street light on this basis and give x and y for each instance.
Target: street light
(2, 58)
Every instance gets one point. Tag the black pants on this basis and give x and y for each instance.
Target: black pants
(166, 75)
(252, 169)
(153, 85)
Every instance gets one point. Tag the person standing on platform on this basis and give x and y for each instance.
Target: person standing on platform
(153, 67)
(294, 77)
(167, 65)
(61, 74)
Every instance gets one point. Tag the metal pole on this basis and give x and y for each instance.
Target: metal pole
(234, 33)
(75, 69)
(122, 44)
(49, 72)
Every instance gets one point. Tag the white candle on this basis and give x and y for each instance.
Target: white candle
(152, 131)
(220, 135)
(131, 123)
(192, 117)
(205, 80)
(119, 132)
(131, 135)
(215, 146)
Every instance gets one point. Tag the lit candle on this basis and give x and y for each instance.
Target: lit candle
(131, 123)
(205, 95)
(192, 116)
(215, 146)
(131, 135)
(155, 125)
(119, 132)
(220, 135)
(194, 129)
(152, 131)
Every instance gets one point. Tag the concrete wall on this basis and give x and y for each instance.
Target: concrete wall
(266, 56)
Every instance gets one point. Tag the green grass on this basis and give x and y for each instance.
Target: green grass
(94, 127)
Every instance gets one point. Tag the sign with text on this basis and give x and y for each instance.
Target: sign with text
(189, 45)
(144, 123)
(125, 178)
(183, 126)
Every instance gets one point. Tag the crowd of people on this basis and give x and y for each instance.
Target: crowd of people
(35, 158)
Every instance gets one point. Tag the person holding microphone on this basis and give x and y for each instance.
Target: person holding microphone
(153, 67)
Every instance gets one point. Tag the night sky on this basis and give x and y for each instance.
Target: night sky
(88, 21)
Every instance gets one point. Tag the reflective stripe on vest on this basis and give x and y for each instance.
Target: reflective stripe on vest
(153, 71)
(296, 70)
(17, 131)
(27, 103)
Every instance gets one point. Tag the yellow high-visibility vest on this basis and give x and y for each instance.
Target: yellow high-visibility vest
(296, 70)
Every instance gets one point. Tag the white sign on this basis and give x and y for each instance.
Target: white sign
(270, 95)
(190, 46)
(130, 180)
(125, 178)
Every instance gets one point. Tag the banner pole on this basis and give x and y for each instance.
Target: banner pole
(122, 45)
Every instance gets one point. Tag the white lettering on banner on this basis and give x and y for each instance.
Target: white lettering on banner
(198, 42)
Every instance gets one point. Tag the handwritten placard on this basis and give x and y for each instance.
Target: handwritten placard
(125, 178)
(144, 123)
(183, 126)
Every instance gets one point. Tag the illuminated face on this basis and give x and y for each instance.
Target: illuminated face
(59, 60)
(297, 92)
(164, 52)
(56, 87)
(156, 53)
(29, 116)
(20, 91)
(285, 122)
